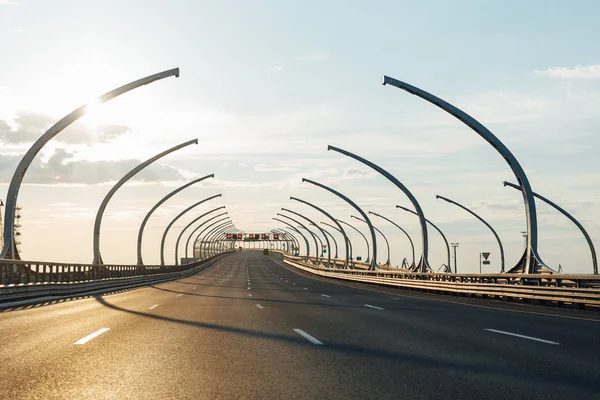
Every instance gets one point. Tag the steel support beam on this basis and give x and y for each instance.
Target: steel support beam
(387, 263)
(9, 249)
(571, 218)
(293, 228)
(320, 229)
(187, 226)
(532, 261)
(164, 235)
(484, 222)
(424, 262)
(113, 190)
(341, 230)
(302, 225)
(448, 266)
(140, 261)
(412, 247)
(357, 208)
(187, 243)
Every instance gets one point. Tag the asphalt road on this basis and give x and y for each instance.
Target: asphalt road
(249, 328)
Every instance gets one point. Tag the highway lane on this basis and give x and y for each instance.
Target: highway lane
(250, 328)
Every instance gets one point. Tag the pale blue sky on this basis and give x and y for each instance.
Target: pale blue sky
(266, 85)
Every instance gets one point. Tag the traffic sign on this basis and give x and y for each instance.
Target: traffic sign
(485, 262)
(485, 255)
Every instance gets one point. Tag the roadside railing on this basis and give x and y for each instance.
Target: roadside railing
(16, 272)
(557, 288)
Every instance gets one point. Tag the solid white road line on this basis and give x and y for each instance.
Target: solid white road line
(153, 307)
(179, 295)
(308, 337)
(91, 336)
(259, 306)
(521, 336)
(325, 295)
(375, 307)
(249, 295)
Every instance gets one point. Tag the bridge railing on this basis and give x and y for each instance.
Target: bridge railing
(557, 288)
(14, 272)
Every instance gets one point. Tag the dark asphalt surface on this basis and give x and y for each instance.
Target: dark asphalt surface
(207, 338)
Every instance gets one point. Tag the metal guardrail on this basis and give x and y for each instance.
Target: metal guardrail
(559, 288)
(15, 272)
(35, 290)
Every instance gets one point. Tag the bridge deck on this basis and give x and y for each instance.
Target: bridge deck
(250, 328)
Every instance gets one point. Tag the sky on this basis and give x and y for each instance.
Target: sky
(265, 86)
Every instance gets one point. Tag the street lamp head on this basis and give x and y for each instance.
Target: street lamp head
(504, 183)
(303, 179)
(329, 147)
(437, 196)
(385, 80)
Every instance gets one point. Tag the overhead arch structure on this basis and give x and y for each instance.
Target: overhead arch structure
(164, 235)
(361, 234)
(319, 228)
(339, 227)
(373, 265)
(412, 246)
(571, 218)
(303, 226)
(140, 260)
(332, 238)
(349, 259)
(197, 243)
(484, 222)
(187, 242)
(121, 182)
(9, 249)
(531, 261)
(293, 228)
(448, 267)
(424, 262)
(387, 263)
(187, 226)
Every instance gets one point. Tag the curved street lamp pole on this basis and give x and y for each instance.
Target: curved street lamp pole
(424, 262)
(357, 208)
(187, 243)
(349, 259)
(212, 233)
(140, 261)
(121, 182)
(217, 241)
(290, 238)
(341, 230)
(532, 262)
(196, 244)
(332, 238)
(293, 228)
(303, 226)
(315, 236)
(164, 235)
(320, 229)
(9, 249)
(484, 222)
(448, 266)
(571, 218)
(361, 234)
(187, 226)
(412, 247)
(284, 239)
(387, 263)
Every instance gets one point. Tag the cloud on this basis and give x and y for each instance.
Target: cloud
(63, 168)
(28, 126)
(278, 167)
(313, 57)
(578, 71)
(276, 68)
(8, 3)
